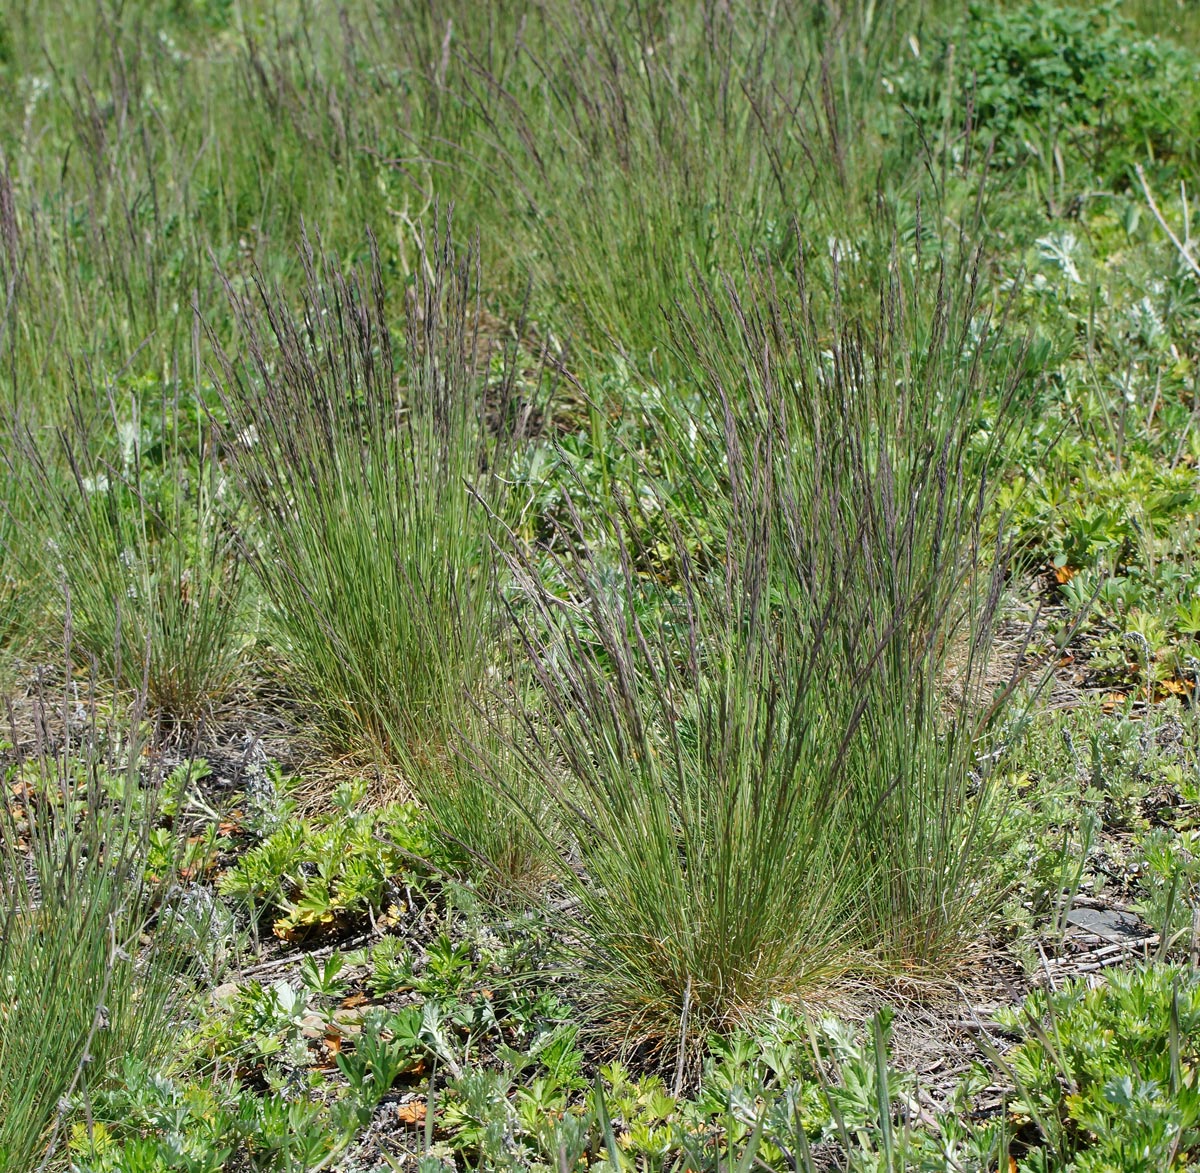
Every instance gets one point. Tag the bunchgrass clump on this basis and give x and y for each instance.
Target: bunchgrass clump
(20, 584)
(144, 549)
(377, 468)
(684, 749)
(79, 988)
(758, 764)
(884, 431)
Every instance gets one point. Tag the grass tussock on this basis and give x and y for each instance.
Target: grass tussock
(362, 462)
(79, 991)
(144, 557)
(20, 586)
(884, 434)
(760, 775)
(679, 752)
(378, 468)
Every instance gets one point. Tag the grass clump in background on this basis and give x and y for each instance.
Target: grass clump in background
(364, 464)
(19, 586)
(145, 559)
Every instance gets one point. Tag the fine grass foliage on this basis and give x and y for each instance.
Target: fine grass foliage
(78, 989)
(682, 747)
(722, 746)
(362, 462)
(883, 429)
(377, 468)
(145, 551)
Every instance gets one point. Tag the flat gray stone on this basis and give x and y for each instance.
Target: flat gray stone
(1118, 927)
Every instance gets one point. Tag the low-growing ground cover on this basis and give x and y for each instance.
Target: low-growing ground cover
(599, 586)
